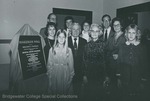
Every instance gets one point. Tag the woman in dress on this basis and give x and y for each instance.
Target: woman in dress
(60, 68)
(94, 64)
(85, 31)
(132, 61)
(112, 48)
(49, 40)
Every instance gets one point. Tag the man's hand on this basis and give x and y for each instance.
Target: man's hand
(85, 80)
(119, 83)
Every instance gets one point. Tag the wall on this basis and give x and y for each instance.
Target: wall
(110, 6)
(15, 13)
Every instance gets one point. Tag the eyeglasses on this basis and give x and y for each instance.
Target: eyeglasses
(118, 25)
(94, 31)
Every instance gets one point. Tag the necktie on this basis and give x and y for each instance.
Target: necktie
(75, 46)
(106, 35)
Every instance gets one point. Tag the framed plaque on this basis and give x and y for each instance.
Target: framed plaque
(31, 56)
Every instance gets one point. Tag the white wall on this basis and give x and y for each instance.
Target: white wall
(110, 6)
(15, 13)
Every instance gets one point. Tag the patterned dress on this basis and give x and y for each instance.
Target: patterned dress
(94, 65)
(94, 60)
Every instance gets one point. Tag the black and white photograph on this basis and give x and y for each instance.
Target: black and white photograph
(74, 50)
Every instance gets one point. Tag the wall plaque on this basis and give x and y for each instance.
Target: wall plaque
(31, 56)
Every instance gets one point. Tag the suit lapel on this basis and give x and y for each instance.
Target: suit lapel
(79, 44)
(111, 33)
(70, 43)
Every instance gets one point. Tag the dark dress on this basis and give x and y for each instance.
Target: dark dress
(49, 44)
(132, 67)
(112, 47)
(146, 43)
(94, 63)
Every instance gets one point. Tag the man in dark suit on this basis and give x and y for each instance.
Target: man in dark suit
(107, 30)
(51, 18)
(77, 44)
(109, 83)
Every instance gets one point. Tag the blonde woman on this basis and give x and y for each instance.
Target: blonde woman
(132, 60)
(60, 68)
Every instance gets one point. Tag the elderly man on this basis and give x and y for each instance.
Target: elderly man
(77, 44)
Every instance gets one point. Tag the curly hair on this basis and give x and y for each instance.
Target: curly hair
(52, 24)
(120, 21)
(136, 28)
(96, 25)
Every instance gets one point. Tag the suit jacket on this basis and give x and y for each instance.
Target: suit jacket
(79, 58)
(111, 34)
(42, 32)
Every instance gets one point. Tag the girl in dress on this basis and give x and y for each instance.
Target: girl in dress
(132, 64)
(60, 68)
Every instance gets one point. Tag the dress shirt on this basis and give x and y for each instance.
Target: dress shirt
(77, 41)
(108, 31)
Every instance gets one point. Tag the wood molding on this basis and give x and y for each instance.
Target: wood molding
(5, 41)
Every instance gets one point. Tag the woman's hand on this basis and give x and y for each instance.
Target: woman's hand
(106, 82)
(115, 56)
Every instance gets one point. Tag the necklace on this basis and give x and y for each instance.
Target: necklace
(50, 45)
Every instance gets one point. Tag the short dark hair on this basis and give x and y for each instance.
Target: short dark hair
(106, 15)
(50, 24)
(68, 18)
(48, 17)
(85, 21)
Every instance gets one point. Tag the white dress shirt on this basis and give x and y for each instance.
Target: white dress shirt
(77, 41)
(108, 32)
(85, 35)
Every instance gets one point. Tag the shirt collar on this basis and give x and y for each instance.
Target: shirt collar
(108, 29)
(135, 43)
(74, 38)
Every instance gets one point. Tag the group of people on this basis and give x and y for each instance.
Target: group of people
(94, 61)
